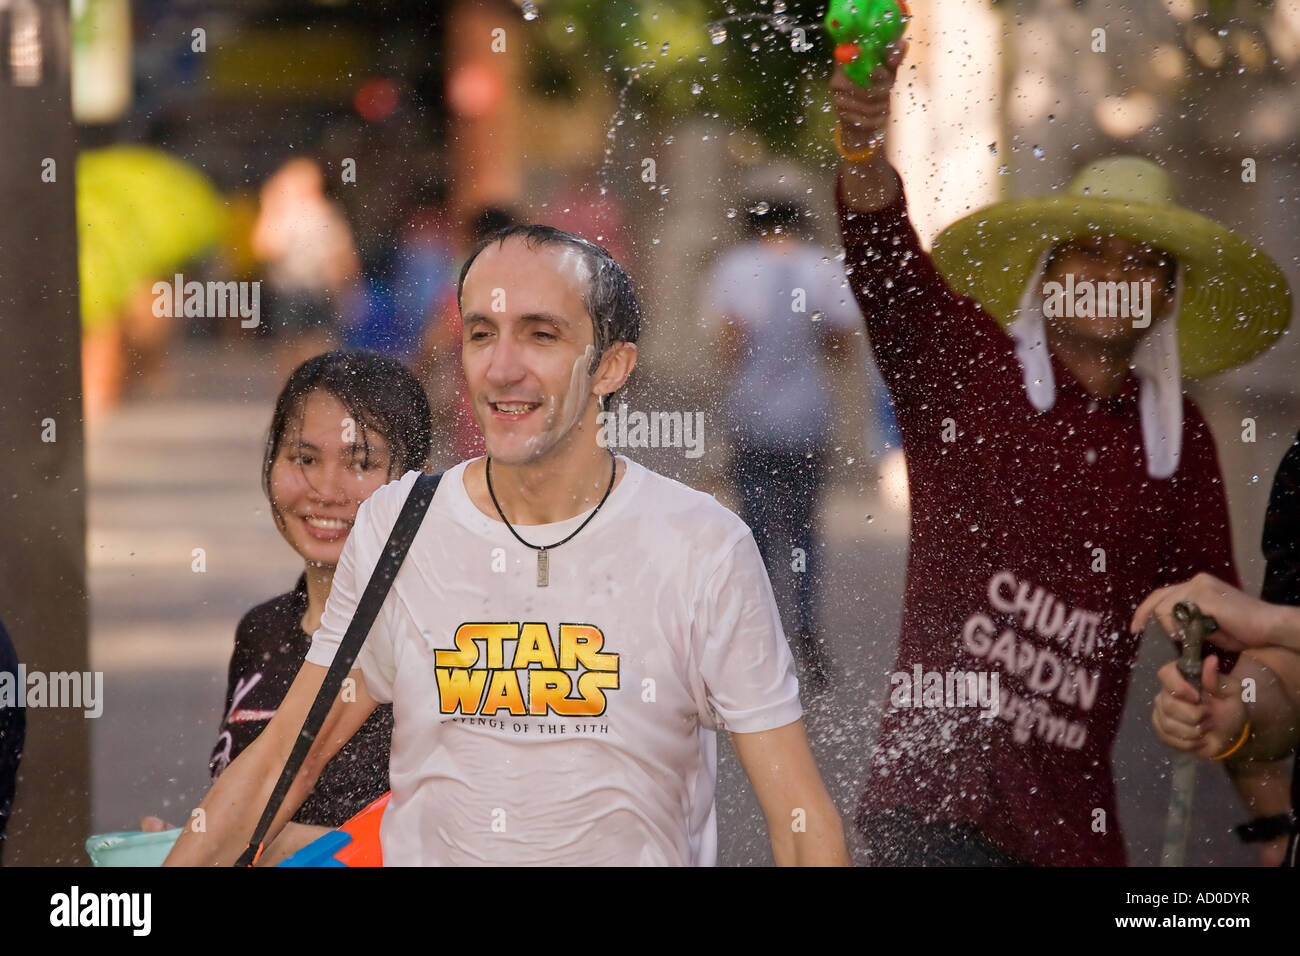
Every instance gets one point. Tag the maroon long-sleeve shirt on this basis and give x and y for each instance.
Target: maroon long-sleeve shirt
(1034, 537)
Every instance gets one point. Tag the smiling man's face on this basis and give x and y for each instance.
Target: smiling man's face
(527, 346)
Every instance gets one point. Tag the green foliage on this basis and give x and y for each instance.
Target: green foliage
(752, 80)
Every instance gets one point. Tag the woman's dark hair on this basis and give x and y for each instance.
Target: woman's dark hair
(378, 393)
(610, 297)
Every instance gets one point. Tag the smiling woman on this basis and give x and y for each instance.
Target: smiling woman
(345, 424)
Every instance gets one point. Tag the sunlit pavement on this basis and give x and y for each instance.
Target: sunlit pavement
(174, 474)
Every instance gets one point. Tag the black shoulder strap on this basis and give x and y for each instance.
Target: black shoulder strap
(390, 560)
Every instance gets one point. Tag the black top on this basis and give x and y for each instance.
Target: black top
(13, 724)
(270, 647)
(1281, 547)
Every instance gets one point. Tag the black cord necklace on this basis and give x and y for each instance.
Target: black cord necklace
(544, 559)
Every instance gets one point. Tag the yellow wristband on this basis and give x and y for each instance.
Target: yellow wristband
(1237, 746)
(861, 155)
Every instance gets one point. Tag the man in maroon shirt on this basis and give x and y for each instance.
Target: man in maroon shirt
(1051, 489)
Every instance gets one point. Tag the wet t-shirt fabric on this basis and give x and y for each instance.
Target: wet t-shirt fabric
(571, 724)
(1034, 537)
(270, 646)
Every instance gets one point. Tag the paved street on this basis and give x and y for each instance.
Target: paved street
(172, 474)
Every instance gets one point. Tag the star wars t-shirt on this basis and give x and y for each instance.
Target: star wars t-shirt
(1035, 535)
(573, 723)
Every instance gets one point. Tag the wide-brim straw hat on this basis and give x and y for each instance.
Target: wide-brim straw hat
(1235, 303)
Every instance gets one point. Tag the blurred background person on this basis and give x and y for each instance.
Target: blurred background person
(405, 278)
(782, 314)
(310, 261)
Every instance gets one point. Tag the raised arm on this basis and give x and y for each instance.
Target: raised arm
(871, 183)
(924, 335)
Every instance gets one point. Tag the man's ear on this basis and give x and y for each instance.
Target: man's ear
(615, 368)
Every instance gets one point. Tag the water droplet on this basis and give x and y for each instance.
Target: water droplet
(530, 10)
(870, 518)
(717, 33)
(663, 50)
(569, 28)
(663, 190)
(760, 208)
(817, 315)
(778, 6)
(1038, 152)
(696, 88)
(731, 213)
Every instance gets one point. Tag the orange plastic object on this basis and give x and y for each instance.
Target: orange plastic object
(847, 52)
(364, 850)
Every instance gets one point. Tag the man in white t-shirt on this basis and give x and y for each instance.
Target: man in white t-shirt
(567, 630)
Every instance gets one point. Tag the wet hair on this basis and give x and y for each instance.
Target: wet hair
(610, 297)
(380, 395)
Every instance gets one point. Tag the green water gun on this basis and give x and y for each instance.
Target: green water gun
(861, 30)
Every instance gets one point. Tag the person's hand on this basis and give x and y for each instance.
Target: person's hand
(1205, 723)
(864, 110)
(154, 824)
(1244, 622)
(1273, 852)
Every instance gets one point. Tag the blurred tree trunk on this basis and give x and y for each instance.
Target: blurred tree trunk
(42, 507)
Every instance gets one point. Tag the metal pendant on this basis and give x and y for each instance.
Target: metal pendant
(543, 568)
